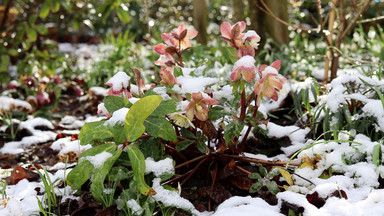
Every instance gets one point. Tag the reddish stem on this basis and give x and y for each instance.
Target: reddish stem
(242, 169)
(243, 106)
(193, 171)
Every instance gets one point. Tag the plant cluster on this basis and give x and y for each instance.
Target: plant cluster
(159, 121)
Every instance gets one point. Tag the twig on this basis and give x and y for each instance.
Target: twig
(176, 178)
(268, 11)
(260, 161)
(191, 161)
(353, 22)
(5, 16)
(193, 171)
(370, 20)
(242, 169)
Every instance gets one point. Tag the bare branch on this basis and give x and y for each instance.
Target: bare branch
(268, 11)
(370, 20)
(353, 22)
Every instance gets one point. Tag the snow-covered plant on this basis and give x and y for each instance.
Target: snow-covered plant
(185, 111)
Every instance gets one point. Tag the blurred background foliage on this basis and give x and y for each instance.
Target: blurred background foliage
(34, 33)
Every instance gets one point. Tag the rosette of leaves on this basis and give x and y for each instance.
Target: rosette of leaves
(265, 179)
(126, 144)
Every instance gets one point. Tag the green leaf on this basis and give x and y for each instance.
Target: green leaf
(94, 132)
(256, 187)
(136, 116)
(180, 146)
(254, 176)
(13, 52)
(41, 29)
(5, 60)
(45, 9)
(230, 54)
(83, 170)
(201, 146)
(273, 172)
(152, 148)
(101, 172)
(79, 175)
(137, 160)
(262, 171)
(232, 130)
(272, 187)
(177, 72)
(158, 126)
(286, 175)
(113, 103)
(187, 134)
(31, 34)
(32, 19)
(118, 134)
(217, 112)
(119, 173)
(376, 153)
(55, 6)
(123, 14)
(166, 106)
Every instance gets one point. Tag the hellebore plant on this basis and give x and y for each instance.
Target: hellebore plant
(164, 120)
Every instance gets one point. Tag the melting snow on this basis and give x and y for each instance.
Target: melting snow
(97, 160)
(159, 168)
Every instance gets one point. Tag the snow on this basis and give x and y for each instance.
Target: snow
(172, 198)
(375, 108)
(159, 168)
(71, 122)
(99, 91)
(225, 92)
(134, 206)
(37, 136)
(162, 91)
(119, 80)
(97, 160)
(65, 146)
(246, 206)
(193, 84)
(251, 33)
(22, 199)
(245, 61)
(270, 70)
(118, 117)
(9, 104)
(294, 133)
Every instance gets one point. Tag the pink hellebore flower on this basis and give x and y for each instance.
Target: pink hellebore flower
(253, 38)
(244, 67)
(183, 36)
(233, 34)
(167, 61)
(270, 83)
(101, 109)
(119, 83)
(168, 39)
(43, 98)
(198, 107)
(167, 76)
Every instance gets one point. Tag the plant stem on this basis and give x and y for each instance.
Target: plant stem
(242, 169)
(190, 161)
(259, 161)
(193, 171)
(243, 106)
(256, 108)
(180, 60)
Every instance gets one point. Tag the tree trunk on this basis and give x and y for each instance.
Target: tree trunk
(277, 30)
(238, 10)
(200, 20)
